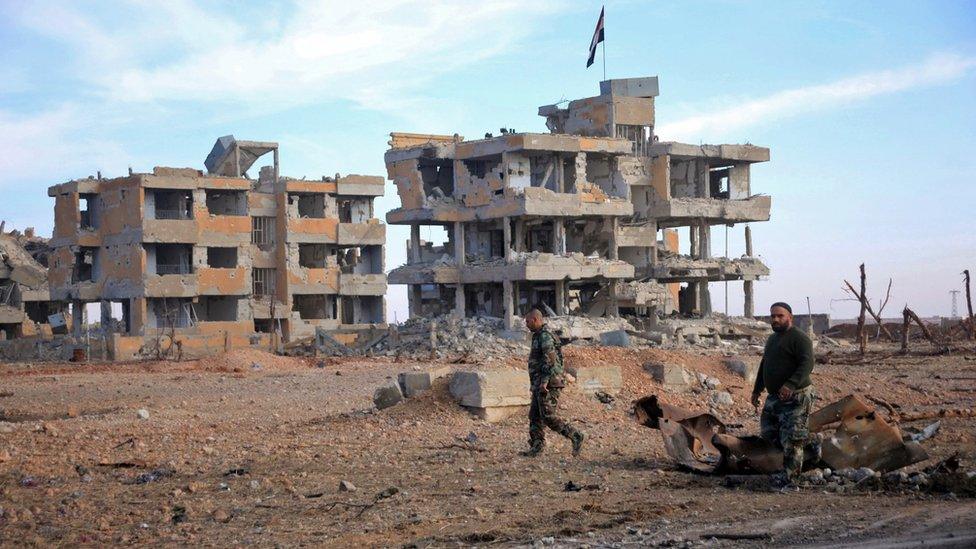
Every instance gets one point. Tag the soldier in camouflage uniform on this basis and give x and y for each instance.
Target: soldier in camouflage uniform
(546, 377)
(785, 372)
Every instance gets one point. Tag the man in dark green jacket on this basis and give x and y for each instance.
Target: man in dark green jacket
(785, 373)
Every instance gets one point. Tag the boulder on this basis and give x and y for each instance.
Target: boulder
(414, 383)
(597, 379)
(671, 376)
(387, 395)
(741, 369)
(616, 338)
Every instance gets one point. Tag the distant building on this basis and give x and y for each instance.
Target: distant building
(218, 259)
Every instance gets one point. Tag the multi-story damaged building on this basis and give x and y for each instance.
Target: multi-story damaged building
(580, 221)
(218, 259)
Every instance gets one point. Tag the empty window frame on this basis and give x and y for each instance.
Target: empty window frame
(84, 267)
(169, 204)
(263, 232)
(309, 204)
(88, 209)
(263, 282)
(222, 258)
(226, 202)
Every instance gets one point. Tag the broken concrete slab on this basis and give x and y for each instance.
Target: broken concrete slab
(672, 376)
(742, 369)
(491, 388)
(594, 379)
(414, 383)
(387, 395)
(616, 338)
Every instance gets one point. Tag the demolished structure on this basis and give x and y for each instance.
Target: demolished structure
(25, 303)
(215, 260)
(582, 220)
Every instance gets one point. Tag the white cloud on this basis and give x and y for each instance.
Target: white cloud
(54, 143)
(937, 69)
(368, 52)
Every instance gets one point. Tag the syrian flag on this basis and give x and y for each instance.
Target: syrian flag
(597, 38)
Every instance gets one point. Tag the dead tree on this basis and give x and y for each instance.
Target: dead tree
(969, 305)
(861, 339)
(906, 320)
(866, 306)
(925, 329)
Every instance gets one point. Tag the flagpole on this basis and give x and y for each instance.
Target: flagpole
(604, 43)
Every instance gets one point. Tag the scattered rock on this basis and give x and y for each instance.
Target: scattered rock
(142, 413)
(346, 486)
(722, 399)
(387, 395)
(221, 515)
(616, 338)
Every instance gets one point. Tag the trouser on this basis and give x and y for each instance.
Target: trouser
(542, 414)
(784, 423)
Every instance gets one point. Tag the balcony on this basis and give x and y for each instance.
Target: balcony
(678, 212)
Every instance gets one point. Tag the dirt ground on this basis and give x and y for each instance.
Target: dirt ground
(249, 448)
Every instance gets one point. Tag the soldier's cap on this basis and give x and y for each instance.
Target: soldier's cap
(782, 304)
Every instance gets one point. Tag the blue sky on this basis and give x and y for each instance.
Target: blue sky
(869, 108)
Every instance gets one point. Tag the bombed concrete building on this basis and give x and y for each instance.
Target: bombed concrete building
(218, 259)
(582, 220)
(25, 304)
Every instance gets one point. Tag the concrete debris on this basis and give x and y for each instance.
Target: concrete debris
(142, 413)
(387, 395)
(721, 399)
(861, 443)
(492, 394)
(346, 486)
(672, 376)
(616, 338)
(595, 380)
(414, 383)
(740, 368)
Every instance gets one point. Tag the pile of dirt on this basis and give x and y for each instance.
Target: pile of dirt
(243, 360)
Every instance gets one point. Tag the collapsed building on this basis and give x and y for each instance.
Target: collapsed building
(582, 220)
(25, 303)
(215, 260)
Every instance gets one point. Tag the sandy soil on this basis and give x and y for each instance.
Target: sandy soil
(249, 448)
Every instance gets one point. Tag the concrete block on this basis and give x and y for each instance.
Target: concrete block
(594, 379)
(414, 383)
(387, 395)
(491, 388)
(616, 338)
(742, 369)
(672, 376)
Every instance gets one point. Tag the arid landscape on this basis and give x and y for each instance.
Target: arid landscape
(249, 448)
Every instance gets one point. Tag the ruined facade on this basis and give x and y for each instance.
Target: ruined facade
(217, 260)
(582, 220)
(25, 304)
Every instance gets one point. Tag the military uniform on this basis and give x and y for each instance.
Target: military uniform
(787, 362)
(546, 372)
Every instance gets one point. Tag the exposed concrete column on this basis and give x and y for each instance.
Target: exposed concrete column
(560, 297)
(507, 296)
(560, 173)
(519, 235)
(748, 307)
(414, 243)
(106, 318)
(459, 261)
(693, 242)
(507, 239)
(704, 298)
(237, 160)
(705, 241)
(613, 251)
(652, 260)
(276, 174)
(558, 236)
(613, 308)
(77, 318)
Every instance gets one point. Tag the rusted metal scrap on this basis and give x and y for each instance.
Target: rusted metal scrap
(862, 437)
(854, 436)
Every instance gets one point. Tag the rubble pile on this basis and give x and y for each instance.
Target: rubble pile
(479, 336)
